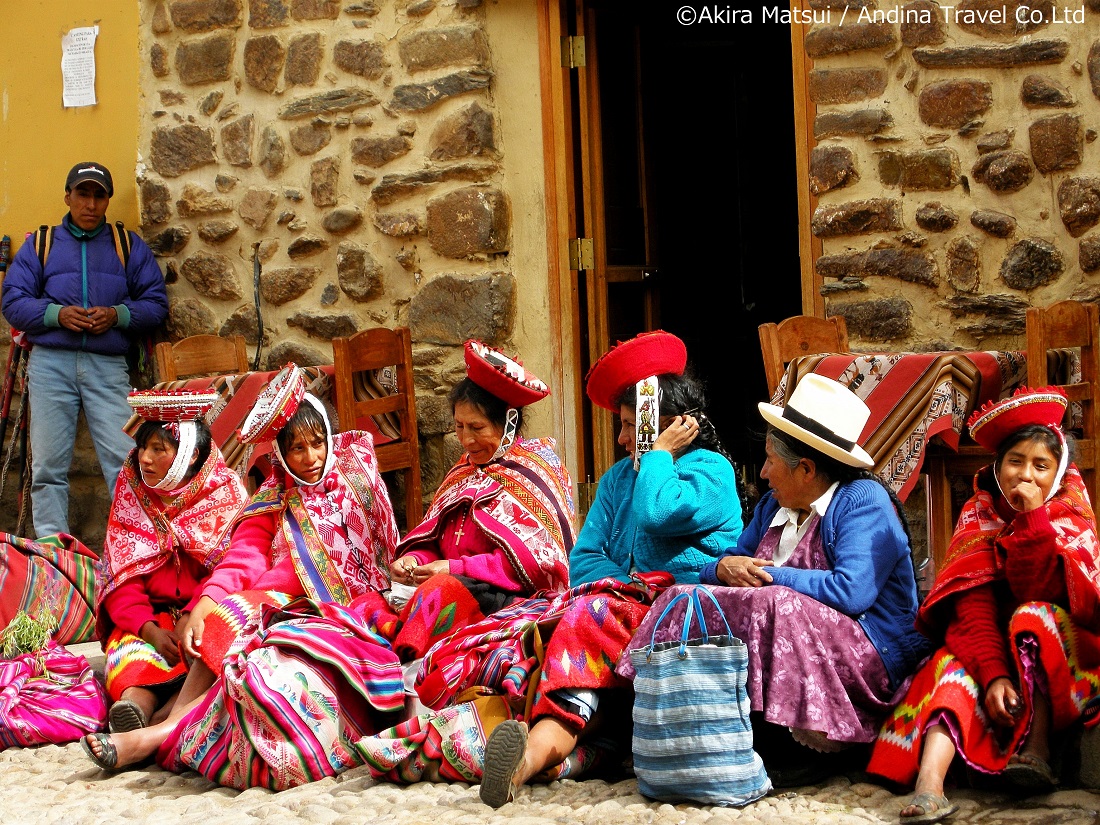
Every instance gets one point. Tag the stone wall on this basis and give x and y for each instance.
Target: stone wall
(354, 147)
(955, 169)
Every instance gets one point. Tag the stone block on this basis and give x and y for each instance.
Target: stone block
(336, 100)
(951, 104)
(1093, 65)
(997, 224)
(208, 60)
(863, 122)
(311, 138)
(468, 132)
(279, 286)
(359, 274)
(823, 41)
(256, 207)
(416, 97)
(378, 151)
(832, 167)
(195, 16)
(924, 169)
(470, 221)
(1006, 171)
(272, 152)
(267, 14)
(923, 24)
(237, 138)
(1031, 263)
(1079, 204)
(189, 316)
(846, 85)
(1089, 254)
(306, 246)
(324, 180)
(883, 319)
(438, 48)
(1002, 18)
(450, 309)
(1033, 53)
(212, 275)
(155, 200)
(365, 58)
(303, 59)
(197, 200)
(1040, 91)
(178, 149)
(161, 23)
(264, 57)
(935, 217)
(857, 217)
(217, 231)
(158, 60)
(964, 267)
(393, 187)
(314, 9)
(323, 325)
(1057, 142)
(243, 322)
(399, 224)
(907, 265)
(170, 241)
(342, 219)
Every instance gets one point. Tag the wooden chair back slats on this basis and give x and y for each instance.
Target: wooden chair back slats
(201, 355)
(375, 349)
(1071, 325)
(796, 336)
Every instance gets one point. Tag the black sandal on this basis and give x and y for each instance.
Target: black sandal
(109, 760)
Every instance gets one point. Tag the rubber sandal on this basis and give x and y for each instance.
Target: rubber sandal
(504, 752)
(935, 807)
(125, 716)
(109, 760)
(1030, 773)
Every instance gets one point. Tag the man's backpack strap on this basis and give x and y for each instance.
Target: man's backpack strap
(122, 243)
(43, 241)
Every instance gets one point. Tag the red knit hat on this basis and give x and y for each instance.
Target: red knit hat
(628, 362)
(171, 406)
(997, 420)
(502, 376)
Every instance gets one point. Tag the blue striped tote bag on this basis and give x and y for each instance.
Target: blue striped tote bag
(692, 736)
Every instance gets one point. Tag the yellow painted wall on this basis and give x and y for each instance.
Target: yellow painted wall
(40, 140)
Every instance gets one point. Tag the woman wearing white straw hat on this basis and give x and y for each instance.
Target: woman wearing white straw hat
(820, 587)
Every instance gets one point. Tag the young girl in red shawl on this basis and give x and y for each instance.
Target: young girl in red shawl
(1017, 609)
(174, 504)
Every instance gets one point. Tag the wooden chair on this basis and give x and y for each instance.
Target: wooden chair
(374, 349)
(201, 355)
(1071, 325)
(796, 336)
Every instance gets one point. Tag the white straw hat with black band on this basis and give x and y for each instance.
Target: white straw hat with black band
(825, 415)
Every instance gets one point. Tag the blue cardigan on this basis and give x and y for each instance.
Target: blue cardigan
(669, 515)
(871, 579)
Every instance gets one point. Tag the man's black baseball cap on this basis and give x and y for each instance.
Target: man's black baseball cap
(89, 171)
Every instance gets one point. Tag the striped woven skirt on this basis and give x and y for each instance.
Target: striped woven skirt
(133, 662)
(1049, 649)
(289, 705)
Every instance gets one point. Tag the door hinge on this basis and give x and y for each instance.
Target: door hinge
(572, 51)
(582, 254)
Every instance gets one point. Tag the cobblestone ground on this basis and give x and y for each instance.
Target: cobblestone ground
(60, 785)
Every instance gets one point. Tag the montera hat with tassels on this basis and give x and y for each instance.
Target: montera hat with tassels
(825, 415)
(274, 407)
(171, 406)
(997, 420)
(502, 376)
(628, 362)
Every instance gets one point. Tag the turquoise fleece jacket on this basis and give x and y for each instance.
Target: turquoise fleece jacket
(670, 515)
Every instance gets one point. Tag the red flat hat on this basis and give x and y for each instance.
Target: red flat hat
(171, 406)
(274, 406)
(997, 420)
(502, 376)
(627, 363)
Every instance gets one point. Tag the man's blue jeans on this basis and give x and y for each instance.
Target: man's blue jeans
(60, 382)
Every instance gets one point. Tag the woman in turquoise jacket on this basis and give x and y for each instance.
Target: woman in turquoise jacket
(659, 516)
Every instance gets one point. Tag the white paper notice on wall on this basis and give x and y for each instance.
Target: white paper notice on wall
(78, 66)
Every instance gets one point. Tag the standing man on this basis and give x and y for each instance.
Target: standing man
(79, 312)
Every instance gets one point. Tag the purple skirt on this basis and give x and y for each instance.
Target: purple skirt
(811, 668)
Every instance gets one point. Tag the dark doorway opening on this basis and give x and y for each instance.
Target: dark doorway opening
(699, 182)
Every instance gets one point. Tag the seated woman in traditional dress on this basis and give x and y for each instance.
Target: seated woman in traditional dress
(173, 505)
(1016, 609)
(320, 526)
(664, 511)
(820, 587)
(500, 526)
